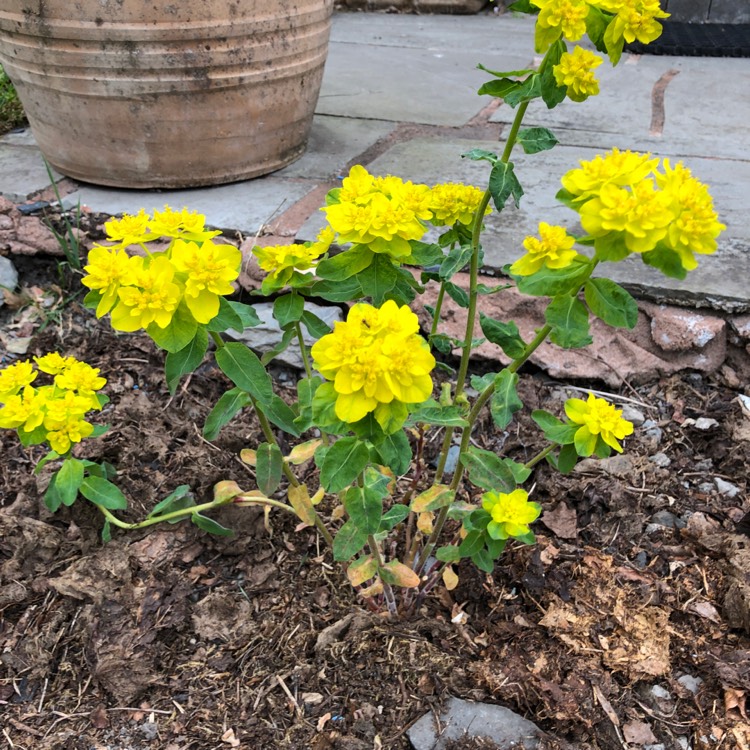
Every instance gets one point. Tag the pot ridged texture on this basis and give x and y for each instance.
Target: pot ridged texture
(196, 92)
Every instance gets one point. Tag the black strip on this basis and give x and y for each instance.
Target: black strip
(698, 40)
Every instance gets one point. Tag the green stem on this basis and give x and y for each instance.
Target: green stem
(217, 339)
(303, 349)
(438, 307)
(390, 597)
(541, 455)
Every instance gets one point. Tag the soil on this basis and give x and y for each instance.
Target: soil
(625, 626)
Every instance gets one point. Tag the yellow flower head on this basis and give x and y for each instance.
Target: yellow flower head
(281, 261)
(129, 230)
(53, 363)
(696, 224)
(600, 422)
(454, 203)
(511, 513)
(68, 433)
(210, 269)
(358, 186)
(377, 362)
(557, 18)
(635, 20)
(152, 299)
(613, 168)
(642, 212)
(108, 269)
(24, 410)
(575, 71)
(553, 249)
(79, 377)
(188, 225)
(15, 377)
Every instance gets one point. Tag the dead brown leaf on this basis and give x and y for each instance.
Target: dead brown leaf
(638, 733)
(561, 521)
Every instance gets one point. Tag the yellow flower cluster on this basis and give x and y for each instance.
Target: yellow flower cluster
(378, 363)
(52, 413)
(623, 195)
(281, 261)
(141, 290)
(629, 20)
(553, 249)
(511, 513)
(387, 213)
(600, 422)
(575, 72)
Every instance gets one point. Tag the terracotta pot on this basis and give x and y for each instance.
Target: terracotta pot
(167, 94)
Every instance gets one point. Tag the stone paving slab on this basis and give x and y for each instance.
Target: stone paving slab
(418, 69)
(700, 116)
(243, 206)
(22, 171)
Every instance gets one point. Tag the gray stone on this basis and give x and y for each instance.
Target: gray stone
(22, 171)
(658, 746)
(633, 415)
(464, 718)
(693, 684)
(657, 691)
(268, 334)
(662, 460)
(705, 424)
(451, 460)
(726, 488)
(706, 488)
(8, 276)
(149, 730)
(668, 520)
(652, 431)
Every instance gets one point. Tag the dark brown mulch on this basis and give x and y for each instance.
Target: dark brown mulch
(174, 639)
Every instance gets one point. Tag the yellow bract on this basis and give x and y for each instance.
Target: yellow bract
(455, 203)
(575, 71)
(511, 513)
(552, 249)
(378, 364)
(599, 420)
(557, 18)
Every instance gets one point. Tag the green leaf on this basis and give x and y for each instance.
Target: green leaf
(288, 309)
(554, 430)
(287, 337)
(523, 6)
(268, 466)
(552, 92)
(495, 547)
(499, 88)
(378, 279)
(324, 410)
(348, 541)
(472, 543)
(186, 360)
(52, 498)
(505, 402)
(549, 282)
(92, 299)
(569, 319)
(395, 452)
(434, 498)
(316, 327)
(487, 470)
(483, 560)
(534, 140)
(226, 318)
(504, 184)
(441, 342)
(178, 334)
(245, 370)
(611, 247)
(102, 492)
(458, 295)
(246, 313)
(282, 415)
(506, 73)
(449, 553)
(337, 291)
(346, 264)
(68, 480)
(457, 258)
(432, 413)
(519, 471)
(106, 531)
(596, 25)
(531, 88)
(178, 499)
(305, 392)
(610, 302)
(567, 459)
(51, 456)
(505, 335)
(477, 520)
(344, 462)
(365, 504)
(666, 260)
(231, 403)
(423, 254)
(209, 525)
(393, 516)
(480, 154)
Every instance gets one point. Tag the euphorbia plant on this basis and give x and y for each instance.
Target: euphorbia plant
(367, 404)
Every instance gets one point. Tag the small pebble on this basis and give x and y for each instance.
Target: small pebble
(661, 693)
(661, 459)
(683, 742)
(653, 430)
(668, 519)
(452, 460)
(706, 487)
(726, 488)
(705, 423)
(149, 730)
(704, 465)
(693, 684)
(633, 415)
(660, 746)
